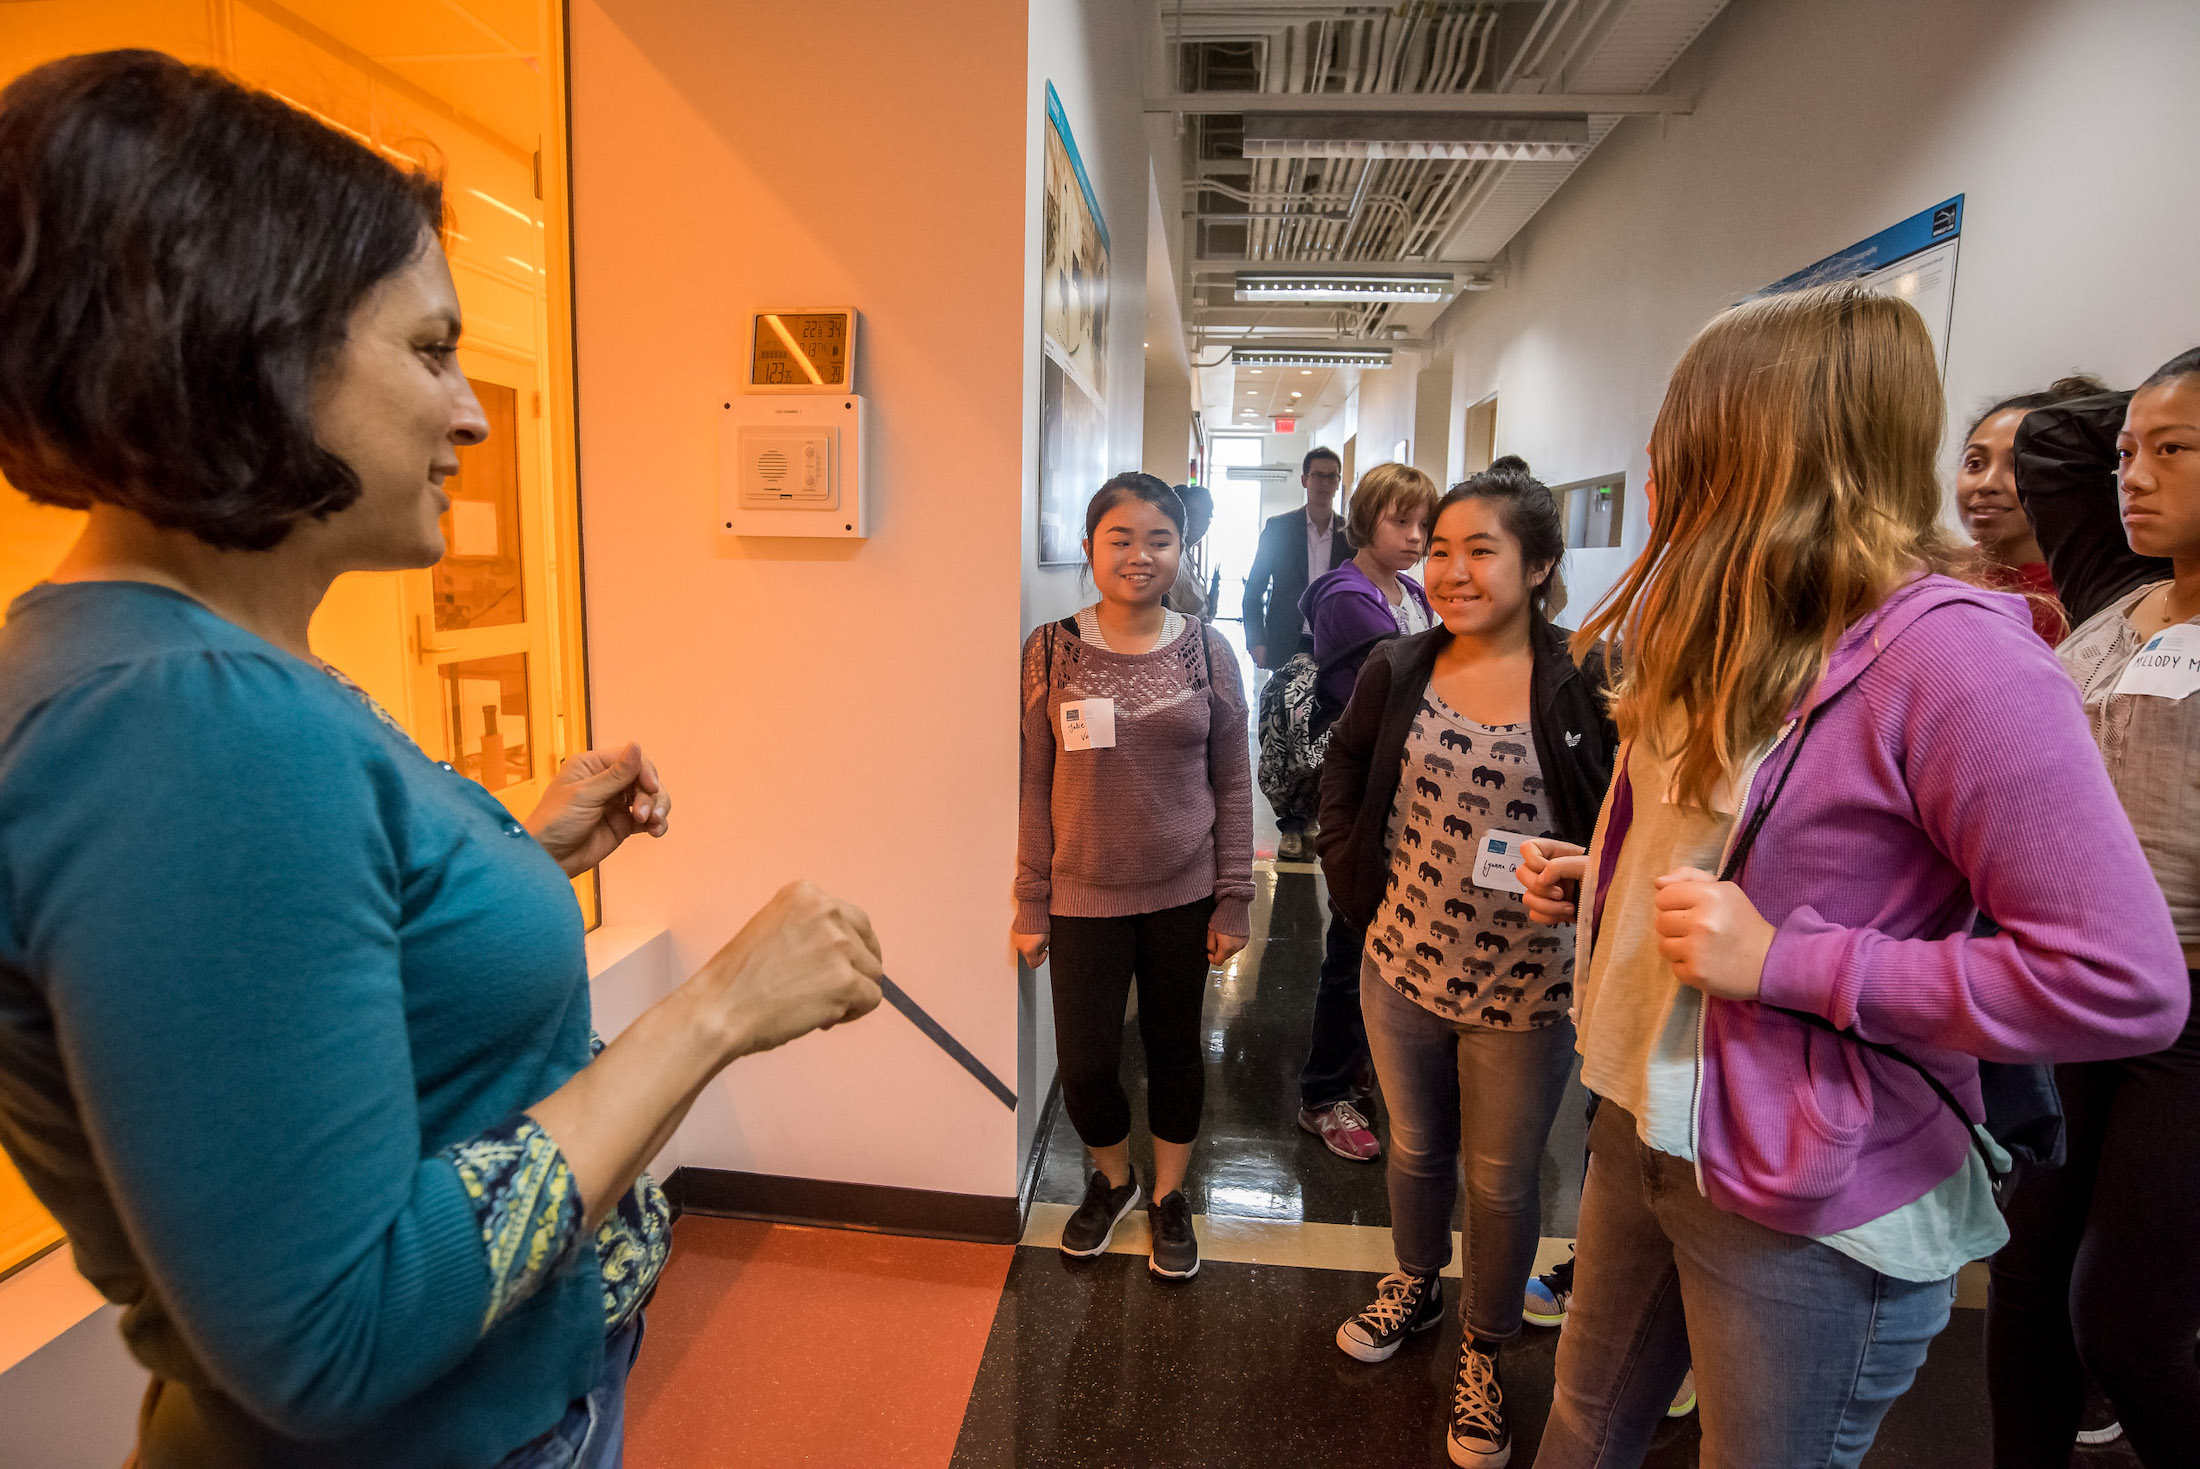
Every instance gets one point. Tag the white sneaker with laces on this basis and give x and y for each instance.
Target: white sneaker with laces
(1404, 1304)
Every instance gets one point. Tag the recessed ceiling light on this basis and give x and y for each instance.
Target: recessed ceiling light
(1306, 372)
(1298, 395)
(1256, 372)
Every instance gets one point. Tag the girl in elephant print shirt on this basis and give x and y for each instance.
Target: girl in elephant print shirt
(1460, 744)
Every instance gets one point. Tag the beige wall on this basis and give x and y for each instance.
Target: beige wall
(842, 711)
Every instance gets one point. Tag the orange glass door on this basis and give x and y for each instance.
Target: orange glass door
(482, 657)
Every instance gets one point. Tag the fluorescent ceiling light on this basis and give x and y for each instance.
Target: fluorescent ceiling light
(1302, 286)
(1311, 357)
(1419, 148)
(1472, 139)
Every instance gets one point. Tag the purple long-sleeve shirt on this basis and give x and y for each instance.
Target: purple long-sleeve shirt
(1161, 819)
(1950, 772)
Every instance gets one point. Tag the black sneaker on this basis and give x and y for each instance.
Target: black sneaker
(2099, 1423)
(1090, 1228)
(1404, 1303)
(1175, 1247)
(1479, 1438)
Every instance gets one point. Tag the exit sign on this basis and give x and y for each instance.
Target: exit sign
(1287, 425)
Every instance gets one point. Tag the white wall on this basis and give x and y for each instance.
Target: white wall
(1387, 396)
(1094, 52)
(1087, 49)
(2066, 124)
(835, 710)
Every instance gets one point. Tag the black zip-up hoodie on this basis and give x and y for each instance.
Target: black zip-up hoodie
(1574, 743)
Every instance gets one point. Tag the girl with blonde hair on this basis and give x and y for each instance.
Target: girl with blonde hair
(1834, 756)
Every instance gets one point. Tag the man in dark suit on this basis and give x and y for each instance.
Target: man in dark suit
(1295, 547)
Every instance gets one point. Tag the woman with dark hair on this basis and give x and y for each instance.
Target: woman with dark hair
(294, 1031)
(1189, 595)
(1134, 857)
(1461, 743)
(1986, 499)
(2130, 1188)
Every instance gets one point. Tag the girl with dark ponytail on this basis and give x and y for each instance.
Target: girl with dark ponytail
(1459, 744)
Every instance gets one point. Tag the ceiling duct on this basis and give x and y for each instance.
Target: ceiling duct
(1470, 139)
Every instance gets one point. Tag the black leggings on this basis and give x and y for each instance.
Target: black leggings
(2102, 1265)
(1092, 963)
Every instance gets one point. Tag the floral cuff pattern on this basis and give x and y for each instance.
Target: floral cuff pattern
(632, 1245)
(528, 1205)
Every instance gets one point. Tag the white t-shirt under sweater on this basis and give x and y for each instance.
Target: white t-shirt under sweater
(1638, 1029)
(1407, 613)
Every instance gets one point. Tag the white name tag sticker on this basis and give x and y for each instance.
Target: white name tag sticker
(1088, 724)
(1494, 861)
(2168, 667)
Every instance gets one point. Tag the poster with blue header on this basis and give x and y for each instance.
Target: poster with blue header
(1915, 260)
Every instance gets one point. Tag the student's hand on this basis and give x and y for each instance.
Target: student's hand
(597, 800)
(1032, 947)
(1222, 947)
(1711, 934)
(1259, 654)
(1551, 871)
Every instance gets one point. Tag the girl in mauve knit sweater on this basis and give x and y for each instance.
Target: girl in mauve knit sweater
(1134, 853)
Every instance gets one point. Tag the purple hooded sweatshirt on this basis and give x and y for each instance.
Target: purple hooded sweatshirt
(1349, 616)
(1950, 772)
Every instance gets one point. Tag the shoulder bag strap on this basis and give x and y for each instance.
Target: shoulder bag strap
(1731, 872)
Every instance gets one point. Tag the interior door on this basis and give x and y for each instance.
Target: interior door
(482, 672)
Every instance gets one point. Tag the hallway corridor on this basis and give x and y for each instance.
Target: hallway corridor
(778, 1344)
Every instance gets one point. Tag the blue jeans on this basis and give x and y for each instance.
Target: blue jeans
(592, 1434)
(1799, 1350)
(1336, 1047)
(1466, 1096)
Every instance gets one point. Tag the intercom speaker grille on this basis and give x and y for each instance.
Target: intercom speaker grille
(788, 466)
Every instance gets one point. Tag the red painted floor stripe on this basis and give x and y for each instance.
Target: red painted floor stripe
(772, 1344)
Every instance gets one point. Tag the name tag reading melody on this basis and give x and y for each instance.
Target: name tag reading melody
(2168, 667)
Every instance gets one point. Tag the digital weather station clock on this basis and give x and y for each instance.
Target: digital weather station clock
(812, 351)
(791, 458)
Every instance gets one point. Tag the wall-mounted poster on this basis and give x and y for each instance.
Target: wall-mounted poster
(1915, 260)
(1073, 334)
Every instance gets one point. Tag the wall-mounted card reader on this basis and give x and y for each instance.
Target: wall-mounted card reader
(793, 466)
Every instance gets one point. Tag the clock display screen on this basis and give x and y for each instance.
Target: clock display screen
(797, 351)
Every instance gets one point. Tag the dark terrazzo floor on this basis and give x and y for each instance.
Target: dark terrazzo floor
(1094, 1363)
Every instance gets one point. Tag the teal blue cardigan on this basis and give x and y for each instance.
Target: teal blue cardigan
(260, 961)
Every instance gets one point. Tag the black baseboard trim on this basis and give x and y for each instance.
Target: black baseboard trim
(877, 1208)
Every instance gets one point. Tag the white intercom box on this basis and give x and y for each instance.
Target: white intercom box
(793, 466)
